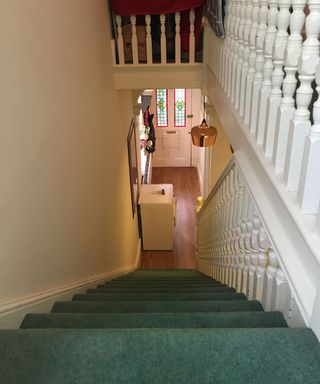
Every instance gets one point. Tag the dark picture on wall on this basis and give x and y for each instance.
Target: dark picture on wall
(133, 166)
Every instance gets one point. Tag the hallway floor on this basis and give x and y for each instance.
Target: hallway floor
(186, 189)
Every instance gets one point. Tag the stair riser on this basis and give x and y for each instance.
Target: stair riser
(158, 297)
(160, 290)
(159, 307)
(156, 320)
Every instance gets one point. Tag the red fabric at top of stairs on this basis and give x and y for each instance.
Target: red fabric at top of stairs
(146, 7)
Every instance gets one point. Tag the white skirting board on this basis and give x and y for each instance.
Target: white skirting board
(13, 312)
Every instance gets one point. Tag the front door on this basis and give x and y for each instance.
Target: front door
(173, 139)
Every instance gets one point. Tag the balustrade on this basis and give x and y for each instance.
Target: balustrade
(136, 45)
(237, 248)
(258, 64)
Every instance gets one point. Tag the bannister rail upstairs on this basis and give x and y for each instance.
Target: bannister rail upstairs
(150, 39)
(268, 69)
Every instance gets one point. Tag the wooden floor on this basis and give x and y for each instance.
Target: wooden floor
(186, 189)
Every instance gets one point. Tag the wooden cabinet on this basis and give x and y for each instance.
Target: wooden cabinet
(157, 214)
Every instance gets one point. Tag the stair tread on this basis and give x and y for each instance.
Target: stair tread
(91, 356)
(158, 296)
(162, 284)
(157, 306)
(160, 290)
(154, 320)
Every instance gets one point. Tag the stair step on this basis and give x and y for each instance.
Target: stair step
(164, 280)
(163, 284)
(155, 320)
(176, 273)
(156, 306)
(105, 289)
(157, 296)
(144, 356)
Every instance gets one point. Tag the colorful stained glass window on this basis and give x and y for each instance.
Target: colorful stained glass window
(162, 107)
(180, 107)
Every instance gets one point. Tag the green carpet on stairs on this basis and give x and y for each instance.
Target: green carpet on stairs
(159, 326)
(144, 356)
(156, 306)
(161, 290)
(155, 320)
(158, 296)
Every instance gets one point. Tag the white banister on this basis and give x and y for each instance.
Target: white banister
(258, 77)
(309, 188)
(252, 60)
(177, 39)
(134, 40)
(236, 51)
(267, 70)
(271, 287)
(263, 261)
(120, 39)
(286, 110)
(148, 39)
(163, 39)
(277, 76)
(240, 53)
(300, 125)
(246, 51)
(226, 52)
(231, 22)
(192, 37)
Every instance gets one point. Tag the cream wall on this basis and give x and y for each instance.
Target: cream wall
(65, 209)
(220, 154)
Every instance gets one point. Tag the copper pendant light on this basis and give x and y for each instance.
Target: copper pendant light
(204, 135)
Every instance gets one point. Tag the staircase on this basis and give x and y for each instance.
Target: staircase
(159, 326)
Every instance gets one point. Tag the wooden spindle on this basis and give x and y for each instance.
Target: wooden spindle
(277, 76)
(300, 125)
(134, 40)
(227, 45)
(120, 39)
(240, 53)
(246, 51)
(258, 77)
(232, 46)
(236, 51)
(263, 261)
(271, 281)
(148, 39)
(252, 60)
(177, 39)
(286, 110)
(267, 70)
(192, 41)
(254, 256)
(163, 39)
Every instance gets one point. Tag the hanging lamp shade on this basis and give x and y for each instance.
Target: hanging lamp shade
(204, 135)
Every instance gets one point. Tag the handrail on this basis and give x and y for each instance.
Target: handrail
(229, 166)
